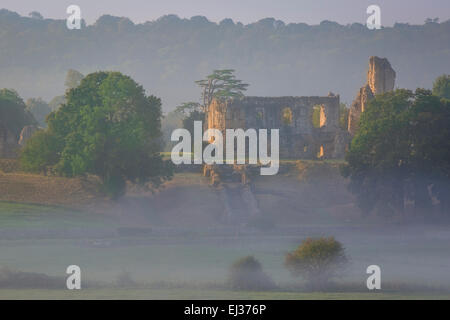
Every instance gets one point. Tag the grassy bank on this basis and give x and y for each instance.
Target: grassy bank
(15, 215)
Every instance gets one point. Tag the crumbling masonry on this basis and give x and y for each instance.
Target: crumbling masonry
(293, 116)
(380, 79)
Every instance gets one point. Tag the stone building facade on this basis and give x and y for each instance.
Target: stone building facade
(293, 116)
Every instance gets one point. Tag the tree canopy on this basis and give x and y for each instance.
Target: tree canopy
(13, 113)
(222, 85)
(318, 261)
(277, 58)
(441, 86)
(73, 79)
(108, 127)
(401, 151)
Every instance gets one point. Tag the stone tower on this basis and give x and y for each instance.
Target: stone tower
(380, 79)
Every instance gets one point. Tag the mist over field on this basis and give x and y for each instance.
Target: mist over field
(179, 242)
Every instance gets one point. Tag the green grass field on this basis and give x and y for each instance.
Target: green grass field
(190, 294)
(23, 215)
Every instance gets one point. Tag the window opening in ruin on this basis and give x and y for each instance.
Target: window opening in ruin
(259, 115)
(259, 118)
(316, 116)
(286, 116)
(320, 153)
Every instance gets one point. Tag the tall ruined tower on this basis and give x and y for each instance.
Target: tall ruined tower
(380, 79)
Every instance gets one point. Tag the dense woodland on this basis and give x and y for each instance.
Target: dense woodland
(167, 55)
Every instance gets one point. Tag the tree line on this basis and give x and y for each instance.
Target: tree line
(170, 53)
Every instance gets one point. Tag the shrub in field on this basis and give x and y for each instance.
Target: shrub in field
(317, 261)
(247, 274)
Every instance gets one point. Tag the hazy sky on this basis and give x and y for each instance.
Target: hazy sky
(246, 11)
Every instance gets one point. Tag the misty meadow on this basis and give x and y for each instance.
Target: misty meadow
(356, 122)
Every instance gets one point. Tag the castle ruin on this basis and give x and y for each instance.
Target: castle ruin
(300, 137)
(380, 79)
(293, 116)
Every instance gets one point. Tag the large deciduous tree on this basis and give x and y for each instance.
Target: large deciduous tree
(13, 113)
(401, 151)
(108, 127)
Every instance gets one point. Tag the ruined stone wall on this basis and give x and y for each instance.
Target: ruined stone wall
(380, 79)
(380, 76)
(216, 116)
(291, 115)
(26, 133)
(358, 106)
(299, 138)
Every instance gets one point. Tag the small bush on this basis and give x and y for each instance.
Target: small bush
(317, 261)
(247, 274)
